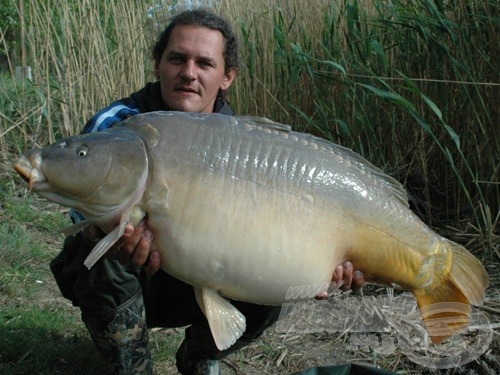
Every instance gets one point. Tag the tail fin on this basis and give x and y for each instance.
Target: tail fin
(468, 274)
(446, 309)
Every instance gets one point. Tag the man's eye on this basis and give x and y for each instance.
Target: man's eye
(175, 60)
(205, 64)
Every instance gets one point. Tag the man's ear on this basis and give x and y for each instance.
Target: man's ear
(157, 69)
(228, 79)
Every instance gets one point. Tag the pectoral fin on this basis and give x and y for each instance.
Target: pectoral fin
(226, 323)
(133, 216)
(104, 245)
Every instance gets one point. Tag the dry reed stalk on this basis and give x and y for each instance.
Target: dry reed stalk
(86, 56)
(406, 84)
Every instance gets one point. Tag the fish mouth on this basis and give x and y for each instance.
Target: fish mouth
(30, 172)
(22, 171)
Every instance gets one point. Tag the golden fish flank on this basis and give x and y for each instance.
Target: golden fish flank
(244, 208)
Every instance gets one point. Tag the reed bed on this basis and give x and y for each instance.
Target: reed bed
(411, 85)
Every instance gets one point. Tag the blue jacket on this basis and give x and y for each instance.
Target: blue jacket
(148, 99)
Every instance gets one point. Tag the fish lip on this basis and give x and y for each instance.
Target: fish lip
(23, 167)
(22, 171)
(36, 179)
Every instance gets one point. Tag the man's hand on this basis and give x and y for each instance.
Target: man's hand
(350, 278)
(133, 247)
(353, 279)
(136, 244)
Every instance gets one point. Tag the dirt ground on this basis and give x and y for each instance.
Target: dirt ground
(396, 345)
(380, 327)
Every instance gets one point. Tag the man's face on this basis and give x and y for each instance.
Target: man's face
(192, 70)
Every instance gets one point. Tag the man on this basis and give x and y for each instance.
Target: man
(196, 61)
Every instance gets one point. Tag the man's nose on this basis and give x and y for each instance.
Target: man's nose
(189, 70)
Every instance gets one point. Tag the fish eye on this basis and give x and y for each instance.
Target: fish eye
(81, 151)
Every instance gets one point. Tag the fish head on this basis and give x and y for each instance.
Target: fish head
(93, 173)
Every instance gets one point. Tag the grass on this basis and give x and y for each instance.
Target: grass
(26, 334)
(40, 331)
(32, 317)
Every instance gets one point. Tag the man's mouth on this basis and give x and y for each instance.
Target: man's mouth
(186, 89)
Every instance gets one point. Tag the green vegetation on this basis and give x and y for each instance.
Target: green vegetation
(40, 332)
(32, 317)
(411, 85)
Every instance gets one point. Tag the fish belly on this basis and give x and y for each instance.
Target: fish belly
(253, 217)
(247, 241)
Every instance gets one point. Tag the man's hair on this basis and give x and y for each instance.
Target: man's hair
(203, 18)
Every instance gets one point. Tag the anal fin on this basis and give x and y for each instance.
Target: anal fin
(226, 323)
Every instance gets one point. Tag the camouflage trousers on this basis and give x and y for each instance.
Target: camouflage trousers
(118, 303)
(122, 341)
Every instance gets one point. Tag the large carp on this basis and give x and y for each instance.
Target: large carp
(245, 208)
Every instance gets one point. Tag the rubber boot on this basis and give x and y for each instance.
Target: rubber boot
(198, 354)
(122, 339)
(189, 362)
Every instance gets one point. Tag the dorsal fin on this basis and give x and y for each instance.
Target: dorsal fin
(265, 123)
